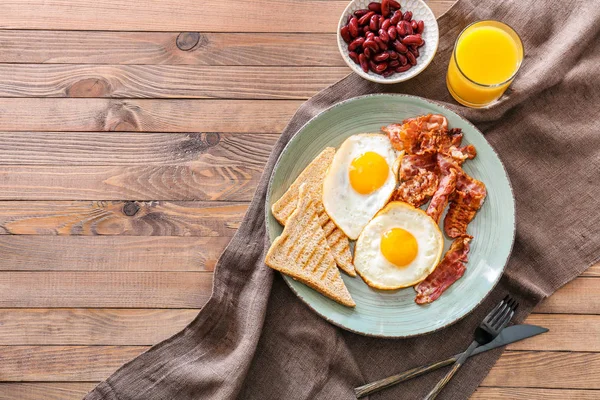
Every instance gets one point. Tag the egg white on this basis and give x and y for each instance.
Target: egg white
(376, 270)
(348, 209)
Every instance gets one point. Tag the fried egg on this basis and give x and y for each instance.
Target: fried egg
(360, 181)
(398, 248)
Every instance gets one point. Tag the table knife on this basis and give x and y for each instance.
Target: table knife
(508, 335)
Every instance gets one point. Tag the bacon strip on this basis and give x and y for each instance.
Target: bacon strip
(448, 271)
(466, 201)
(418, 189)
(442, 194)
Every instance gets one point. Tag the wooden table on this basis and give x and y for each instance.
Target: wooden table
(132, 136)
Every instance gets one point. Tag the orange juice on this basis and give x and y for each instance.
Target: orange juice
(486, 57)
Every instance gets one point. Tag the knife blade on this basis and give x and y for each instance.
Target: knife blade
(508, 335)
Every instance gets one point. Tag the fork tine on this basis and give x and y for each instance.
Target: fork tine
(496, 309)
(504, 321)
(497, 315)
(503, 318)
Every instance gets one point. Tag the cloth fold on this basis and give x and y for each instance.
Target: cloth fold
(255, 340)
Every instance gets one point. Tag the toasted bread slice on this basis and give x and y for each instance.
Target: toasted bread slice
(312, 177)
(302, 252)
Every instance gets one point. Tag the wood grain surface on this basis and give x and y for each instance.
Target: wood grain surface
(132, 136)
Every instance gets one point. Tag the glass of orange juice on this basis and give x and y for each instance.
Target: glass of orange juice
(486, 57)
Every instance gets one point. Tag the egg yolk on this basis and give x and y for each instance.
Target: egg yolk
(368, 172)
(399, 247)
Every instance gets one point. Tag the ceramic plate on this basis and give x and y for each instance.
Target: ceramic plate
(394, 313)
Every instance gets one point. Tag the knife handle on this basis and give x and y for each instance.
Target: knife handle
(376, 386)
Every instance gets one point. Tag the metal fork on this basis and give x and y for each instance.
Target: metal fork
(489, 328)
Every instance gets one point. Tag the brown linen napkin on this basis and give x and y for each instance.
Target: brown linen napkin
(255, 340)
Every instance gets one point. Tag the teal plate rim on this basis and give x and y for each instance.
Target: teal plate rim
(288, 280)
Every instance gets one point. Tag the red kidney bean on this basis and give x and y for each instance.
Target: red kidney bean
(379, 68)
(415, 26)
(403, 68)
(381, 56)
(407, 16)
(422, 43)
(394, 4)
(369, 35)
(356, 43)
(386, 24)
(365, 18)
(363, 62)
(372, 65)
(392, 33)
(411, 58)
(381, 19)
(421, 26)
(414, 50)
(348, 19)
(382, 45)
(360, 13)
(400, 47)
(374, 23)
(409, 29)
(412, 39)
(388, 72)
(401, 28)
(345, 33)
(367, 52)
(353, 56)
(397, 17)
(353, 27)
(374, 7)
(393, 55)
(394, 64)
(383, 36)
(402, 58)
(371, 44)
(385, 7)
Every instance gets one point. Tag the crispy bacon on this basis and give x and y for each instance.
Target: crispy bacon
(417, 189)
(430, 121)
(404, 137)
(421, 134)
(466, 201)
(442, 194)
(448, 271)
(418, 179)
(413, 164)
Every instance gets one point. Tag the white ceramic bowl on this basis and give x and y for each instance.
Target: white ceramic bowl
(420, 11)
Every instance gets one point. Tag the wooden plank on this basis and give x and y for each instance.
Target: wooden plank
(45, 390)
(91, 326)
(545, 370)
(69, 115)
(127, 253)
(558, 370)
(580, 296)
(63, 363)
(165, 81)
(489, 393)
(159, 15)
(131, 327)
(104, 289)
(152, 218)
(174, 182)
(567, 333)
(76, 390)
(80, 47)
(135, 148)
